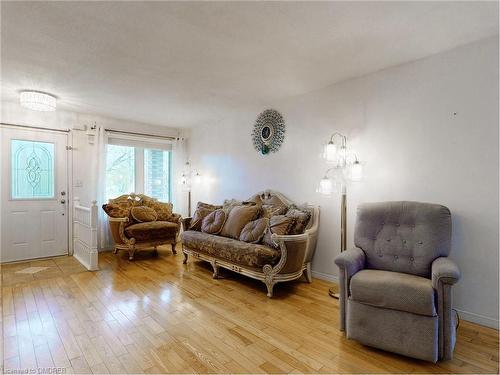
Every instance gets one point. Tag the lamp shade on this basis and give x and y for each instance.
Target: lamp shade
(356, 171)
(330, 152)
(325, 186)
(197, 178)
(37, 101)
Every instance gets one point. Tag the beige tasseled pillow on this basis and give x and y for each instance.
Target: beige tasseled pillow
(238, 217)
(213, 222)
(279, 224)
(254, 230)
(270, 210)
(143, 214)
(162, 209)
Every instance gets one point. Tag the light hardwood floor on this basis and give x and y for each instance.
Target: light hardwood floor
(157, 315)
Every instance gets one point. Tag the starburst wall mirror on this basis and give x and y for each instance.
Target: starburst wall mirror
(268, 132)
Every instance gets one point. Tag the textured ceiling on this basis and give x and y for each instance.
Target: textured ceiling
(186, 63)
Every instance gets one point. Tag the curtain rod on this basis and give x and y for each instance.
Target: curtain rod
(34, 127)
(142, 134)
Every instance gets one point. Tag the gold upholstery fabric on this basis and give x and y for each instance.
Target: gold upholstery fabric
(238, 217)
(164, 210)
(235, 251)
(119, 210)
(153, 230)
(143, 214)
(254, 230)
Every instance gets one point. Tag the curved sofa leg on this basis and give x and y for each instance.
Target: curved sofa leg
(131, 252)
(307, 273)
(115, 251)
(173, 248)
(185, 259)
(270, 286)
(216, 270)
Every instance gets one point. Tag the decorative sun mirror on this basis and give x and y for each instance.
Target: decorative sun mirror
(268, 131)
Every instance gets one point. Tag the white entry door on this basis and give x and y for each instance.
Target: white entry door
(34, 220)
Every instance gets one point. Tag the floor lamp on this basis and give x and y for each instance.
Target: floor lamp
(188, 177)
(347, 168)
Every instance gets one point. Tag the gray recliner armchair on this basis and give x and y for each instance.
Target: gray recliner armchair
(395, 285)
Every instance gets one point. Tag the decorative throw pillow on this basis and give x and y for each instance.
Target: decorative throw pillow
(163, 209)
(143, 214)
(198, 217)
(213, 222)
(254, 230)
(280, 225)
(202, 210)
(119, 210)
(208, 205)
(237, 218)
(269, 210)
(229, 204)
(301, 215)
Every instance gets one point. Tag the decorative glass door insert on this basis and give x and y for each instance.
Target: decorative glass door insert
(32, 170)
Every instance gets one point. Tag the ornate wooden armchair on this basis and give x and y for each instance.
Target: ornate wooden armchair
(132, 232)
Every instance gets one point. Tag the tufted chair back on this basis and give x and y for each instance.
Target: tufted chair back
(403, 236)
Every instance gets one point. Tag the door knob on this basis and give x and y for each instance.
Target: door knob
(63, 201)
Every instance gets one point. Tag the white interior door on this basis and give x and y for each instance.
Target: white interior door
(34, 194)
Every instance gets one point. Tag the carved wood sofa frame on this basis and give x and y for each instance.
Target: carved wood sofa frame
(291, 265)
(122, 242)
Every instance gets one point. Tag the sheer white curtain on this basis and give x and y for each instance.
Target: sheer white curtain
(99, 170)
(179, 158)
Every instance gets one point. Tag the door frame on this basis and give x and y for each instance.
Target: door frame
(69, 175)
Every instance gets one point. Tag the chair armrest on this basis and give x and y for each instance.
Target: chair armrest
(444, 270)
(445, 273)
(117, 228)
(293, 250)
(175, 218)
(351, 261)
(118, 219)
(186, 222)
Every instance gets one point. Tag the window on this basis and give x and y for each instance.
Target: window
(32, 170)
(157, 174)
(120, 170)
(132, 168)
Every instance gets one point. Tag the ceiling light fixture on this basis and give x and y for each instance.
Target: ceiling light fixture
(37, 101)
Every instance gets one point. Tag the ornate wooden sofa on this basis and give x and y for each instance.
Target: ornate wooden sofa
(287, 260)
(133, 235)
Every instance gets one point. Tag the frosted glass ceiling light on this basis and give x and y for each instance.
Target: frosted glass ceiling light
(37, 101)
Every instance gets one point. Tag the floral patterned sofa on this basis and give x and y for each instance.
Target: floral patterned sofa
(138, 222)
(266, 237)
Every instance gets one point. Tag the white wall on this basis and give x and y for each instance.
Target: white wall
(83, 152)
(401, 123)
